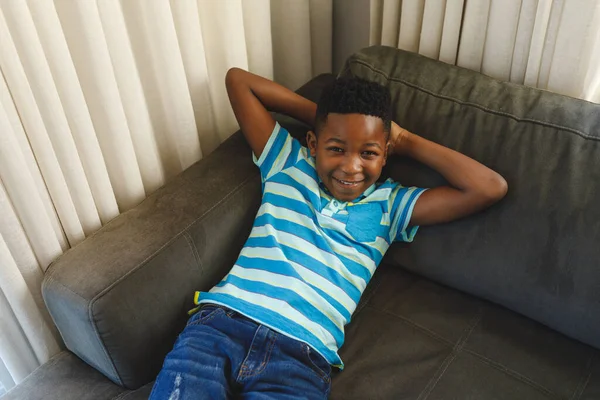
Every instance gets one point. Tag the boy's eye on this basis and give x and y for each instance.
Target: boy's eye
(335, 149)
(369, 153)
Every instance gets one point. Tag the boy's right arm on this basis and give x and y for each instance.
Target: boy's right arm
(252, 97)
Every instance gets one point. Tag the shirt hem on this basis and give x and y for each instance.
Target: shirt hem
(278, 330)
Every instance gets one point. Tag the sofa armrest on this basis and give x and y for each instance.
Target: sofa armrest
(120, 298)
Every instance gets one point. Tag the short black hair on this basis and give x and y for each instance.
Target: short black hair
(351, 95)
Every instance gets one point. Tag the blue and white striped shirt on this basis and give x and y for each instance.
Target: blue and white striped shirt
(309, 256)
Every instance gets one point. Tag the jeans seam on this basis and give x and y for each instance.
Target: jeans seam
(211, 315)
(267, 358)
(244, 370)
(315, 367)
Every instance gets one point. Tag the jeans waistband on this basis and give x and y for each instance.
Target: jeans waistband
(229, 311)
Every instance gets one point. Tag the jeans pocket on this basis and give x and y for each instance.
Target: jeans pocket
(318, 364)
(206, 313)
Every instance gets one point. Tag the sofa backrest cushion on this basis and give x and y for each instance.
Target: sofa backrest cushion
(537, 252)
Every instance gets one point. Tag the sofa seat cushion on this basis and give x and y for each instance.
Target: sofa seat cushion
(65, 377)
(414, 339)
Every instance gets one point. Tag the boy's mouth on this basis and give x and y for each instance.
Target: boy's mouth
(347, 184)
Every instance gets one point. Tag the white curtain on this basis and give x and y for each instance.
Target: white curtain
(549, 44)
(101, 102)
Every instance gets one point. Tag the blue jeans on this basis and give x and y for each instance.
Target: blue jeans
(221, 354)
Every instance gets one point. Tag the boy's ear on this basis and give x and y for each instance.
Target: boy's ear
(311, 143)
(386, 152)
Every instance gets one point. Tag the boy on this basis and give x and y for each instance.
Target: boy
(272, 328)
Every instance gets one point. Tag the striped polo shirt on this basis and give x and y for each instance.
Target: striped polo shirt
(309, 256)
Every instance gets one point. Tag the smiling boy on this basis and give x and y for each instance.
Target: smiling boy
(272, 328)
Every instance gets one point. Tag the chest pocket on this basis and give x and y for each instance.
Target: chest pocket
(364, 222)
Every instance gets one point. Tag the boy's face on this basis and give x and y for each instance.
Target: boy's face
(350, 152)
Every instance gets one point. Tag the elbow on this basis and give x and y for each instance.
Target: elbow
(495, 190)
(234, 76)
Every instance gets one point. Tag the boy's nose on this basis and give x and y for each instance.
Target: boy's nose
(351, 166)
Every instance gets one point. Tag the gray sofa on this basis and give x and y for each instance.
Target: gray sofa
(501, 305)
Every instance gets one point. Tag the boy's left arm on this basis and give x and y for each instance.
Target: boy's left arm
(473, 185)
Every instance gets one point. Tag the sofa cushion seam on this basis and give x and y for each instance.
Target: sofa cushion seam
(413, 324)
(123, 395)
(439, 373)
(455, 350)
(511, 372)
(479, 106)
(577, 395)
(584, 382)
(194, 249)
(101, 342)
(46, 282)
(51, 279)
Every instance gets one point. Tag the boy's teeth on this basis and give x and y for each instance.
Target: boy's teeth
(346, 182)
